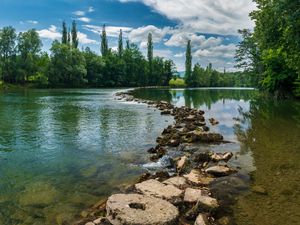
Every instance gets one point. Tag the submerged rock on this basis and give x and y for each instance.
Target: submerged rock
(135, 209)
(157, 189)
(219, 171)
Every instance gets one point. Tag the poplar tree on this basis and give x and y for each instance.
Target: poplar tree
(69, 37)
(104, 45)
(64, 39)
(120, 46)
(150, 56)
(74, 35)
(188, 62)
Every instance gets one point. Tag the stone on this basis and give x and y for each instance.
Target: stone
(182, 163)
(259, 190)
(197, 178)
(90, 223)
(157, 189)
(166, 112)
(216, 157)
(213, 121)
(136, 209)
(201, 157)
(219, 171)
(192, 195)
(173, 142)
(179, 182)
(200, 136)
(201, 220)
(207, 203)
(101, 221)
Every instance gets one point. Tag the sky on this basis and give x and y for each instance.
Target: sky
(211, 25)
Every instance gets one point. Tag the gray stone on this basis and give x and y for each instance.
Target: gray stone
(135, 209)
(157, 189)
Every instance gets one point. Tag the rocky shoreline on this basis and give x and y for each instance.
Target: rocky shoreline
(180, 197)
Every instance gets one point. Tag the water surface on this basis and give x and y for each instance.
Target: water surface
(266, 145)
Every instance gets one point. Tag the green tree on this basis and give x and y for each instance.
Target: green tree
(29, 46)
(150, 59)
(188, 63)
(74, 35)
(104, 43)
(120, 44)
(64, 39)
(7, 51)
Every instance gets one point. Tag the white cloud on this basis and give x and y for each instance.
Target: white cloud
(32, 21)
(79, 13)
(220, 51)
(84, 19)
(91, 9)
(141, 34)
(50, 33)
(205, 16)
(111, 31)
(83, 39)
(163, 53)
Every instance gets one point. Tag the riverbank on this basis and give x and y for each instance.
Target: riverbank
(183, 190)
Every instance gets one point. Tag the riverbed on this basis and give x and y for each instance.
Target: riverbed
(63, 150)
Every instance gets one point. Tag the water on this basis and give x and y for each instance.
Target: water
(266, 136)
(61, 151)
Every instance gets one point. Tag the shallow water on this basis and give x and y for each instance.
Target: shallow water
(61, 151)
(266, 144)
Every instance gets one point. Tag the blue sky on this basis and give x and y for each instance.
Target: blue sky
(210, 25)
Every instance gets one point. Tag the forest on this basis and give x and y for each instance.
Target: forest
(23, 62)
(270, 53)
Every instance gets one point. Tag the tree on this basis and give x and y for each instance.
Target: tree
(7, 51)
(74, 35)
(69, 38)
(120, 44)
(29, 46)
(150, 58)
(188, 63)
(64, 39)
(104, 45)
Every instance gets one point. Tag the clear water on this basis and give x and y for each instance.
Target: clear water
(266, 144)
(61, 151)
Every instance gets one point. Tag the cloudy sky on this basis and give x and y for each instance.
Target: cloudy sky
(211, 25)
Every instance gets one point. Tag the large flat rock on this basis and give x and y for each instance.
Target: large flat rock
(177, 181)
(157, 189)
(192, 195)
(136, 209)
(219, 171)
(196, 177)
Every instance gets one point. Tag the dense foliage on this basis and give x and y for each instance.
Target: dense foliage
(22, 62)
(271, 52)
(209, 77)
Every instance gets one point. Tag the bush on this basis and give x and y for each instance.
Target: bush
(177, 82)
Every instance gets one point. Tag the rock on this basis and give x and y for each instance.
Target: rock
(201, 220)
(179, 182)
(157, 189)
(259, 190)
(173, 142)
(197, 178)
(166, 112)
(199, 136)
(213, 121)
(216, 157)
(135, 209)
(182, 163)
(90, 223)
(201, 157)
(101, 221)
(192, 195)
(224, 221)
(207, 203)
(219, 171)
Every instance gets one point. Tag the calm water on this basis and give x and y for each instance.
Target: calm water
(266, 136)
(61, 151)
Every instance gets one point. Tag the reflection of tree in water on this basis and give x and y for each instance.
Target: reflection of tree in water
(273, 136)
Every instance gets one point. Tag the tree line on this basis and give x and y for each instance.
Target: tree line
(22, 61)
(198, 76)
(270, 53)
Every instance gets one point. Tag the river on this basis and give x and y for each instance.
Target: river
(63, 150)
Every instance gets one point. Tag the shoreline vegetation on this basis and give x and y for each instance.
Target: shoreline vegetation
(181, 197)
